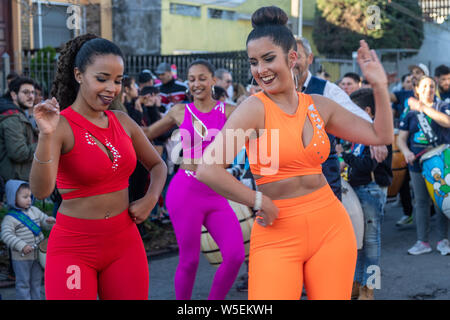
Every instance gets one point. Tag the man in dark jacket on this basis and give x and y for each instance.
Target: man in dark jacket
(18, 139)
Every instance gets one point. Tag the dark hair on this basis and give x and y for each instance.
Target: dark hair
(144, 77)
(14, 86)
(127, 81)
(24, 186)
(353, 76)
(441, 70)
(271, 22)
(148, 90)
(12, 75)
(78, 53)
(219, 92)
(405, 76)
(204, 63)
(364, 98)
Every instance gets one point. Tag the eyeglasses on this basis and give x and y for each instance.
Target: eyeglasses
(229, 81)
(27, 92)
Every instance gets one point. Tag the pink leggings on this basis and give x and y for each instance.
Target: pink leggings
(192, 204)
(90, 257)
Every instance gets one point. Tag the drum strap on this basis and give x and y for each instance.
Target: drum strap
(426, 128)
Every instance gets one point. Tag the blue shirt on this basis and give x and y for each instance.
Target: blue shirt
(417, 141)
(402, 100)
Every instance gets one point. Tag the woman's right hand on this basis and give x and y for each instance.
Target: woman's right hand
(268, 213)
(47, 116)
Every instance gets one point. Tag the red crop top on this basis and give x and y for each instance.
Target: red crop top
(87, 168)
(279, 152)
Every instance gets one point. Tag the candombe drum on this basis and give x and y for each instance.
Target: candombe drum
(399, 168)
(209, 246)
(42, 252)
(436, 172)
(353, 207)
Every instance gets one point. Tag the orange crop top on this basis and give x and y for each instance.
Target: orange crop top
(279, 153)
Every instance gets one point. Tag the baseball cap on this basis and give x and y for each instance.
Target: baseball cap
(162, 68)
(421, 66)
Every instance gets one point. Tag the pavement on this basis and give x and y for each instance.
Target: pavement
(403, 277)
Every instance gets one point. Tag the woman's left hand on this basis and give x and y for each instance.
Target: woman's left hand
(370, 65)
(140, 209)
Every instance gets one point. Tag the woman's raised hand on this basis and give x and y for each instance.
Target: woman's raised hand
(370, 65)
(47, 116)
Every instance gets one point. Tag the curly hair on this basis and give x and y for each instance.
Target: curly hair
(78, 53)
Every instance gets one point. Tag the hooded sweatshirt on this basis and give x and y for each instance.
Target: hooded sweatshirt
(14, 233)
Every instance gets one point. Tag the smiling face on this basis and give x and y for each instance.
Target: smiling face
(101, 82)
(349, 85)
(200, 81)
(270, 65)
(426, 90)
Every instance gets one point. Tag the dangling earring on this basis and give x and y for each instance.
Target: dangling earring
(295, 78)
(253, 82)
(213, 91)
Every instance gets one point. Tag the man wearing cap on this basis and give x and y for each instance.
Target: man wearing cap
(171, 90)
(442, 77)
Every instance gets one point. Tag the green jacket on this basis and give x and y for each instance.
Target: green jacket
(18, 142)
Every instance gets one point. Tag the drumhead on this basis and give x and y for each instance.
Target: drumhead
(434, 152)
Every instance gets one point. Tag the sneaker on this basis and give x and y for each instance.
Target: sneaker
(404, 221)
(420, 248)
(443, 247)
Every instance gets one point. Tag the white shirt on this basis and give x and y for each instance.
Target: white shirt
(339, 96)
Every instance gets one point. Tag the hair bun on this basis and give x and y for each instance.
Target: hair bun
(269, 16)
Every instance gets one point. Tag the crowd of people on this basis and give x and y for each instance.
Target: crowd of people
(138, 170)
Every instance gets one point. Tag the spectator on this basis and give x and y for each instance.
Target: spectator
(17, 136)
(224, 79)
(21, 232)
(38, 93)
(402, 95)
(2, 191)
(239, 91)
(442, 77)
(220, 94)
(412, 142)
(369, 180)
(145, 79)
(172, 91)
(130, 94)
(350, 82)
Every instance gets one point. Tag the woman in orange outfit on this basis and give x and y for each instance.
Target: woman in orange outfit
(303, 234)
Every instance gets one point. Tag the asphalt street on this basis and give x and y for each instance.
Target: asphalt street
(403, 277)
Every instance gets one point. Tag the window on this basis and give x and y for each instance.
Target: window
(221, 14)
(185, 10)
(50, 25)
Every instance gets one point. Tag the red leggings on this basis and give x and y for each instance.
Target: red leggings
(86, 258)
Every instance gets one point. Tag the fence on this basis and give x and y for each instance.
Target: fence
(41, 65)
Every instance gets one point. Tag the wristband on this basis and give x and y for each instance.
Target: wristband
(258, 201)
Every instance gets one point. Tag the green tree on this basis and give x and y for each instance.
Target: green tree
(340, 24)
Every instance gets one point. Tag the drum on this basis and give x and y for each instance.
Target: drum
(399, 168)
(42, 252)
(436, 172)
(353, 206)
(209, 246)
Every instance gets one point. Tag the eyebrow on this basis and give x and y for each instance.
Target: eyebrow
(107, 74)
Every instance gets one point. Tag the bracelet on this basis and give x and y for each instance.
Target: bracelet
(41, 162)
(258, 201)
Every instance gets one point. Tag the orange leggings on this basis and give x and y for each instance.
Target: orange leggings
(312, 241)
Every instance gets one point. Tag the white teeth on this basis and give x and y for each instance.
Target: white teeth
(268, 78)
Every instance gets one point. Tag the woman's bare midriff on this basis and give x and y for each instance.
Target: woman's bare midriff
(96, 207)
(292, 187)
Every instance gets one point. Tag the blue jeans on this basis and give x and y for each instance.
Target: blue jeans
(29, 276)
(372, 198)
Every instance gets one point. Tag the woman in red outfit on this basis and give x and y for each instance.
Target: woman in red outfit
(90, 152)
